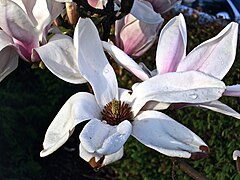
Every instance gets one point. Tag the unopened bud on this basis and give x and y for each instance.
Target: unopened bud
(72, 13)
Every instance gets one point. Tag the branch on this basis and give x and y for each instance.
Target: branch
(188, 169)
(238, 164)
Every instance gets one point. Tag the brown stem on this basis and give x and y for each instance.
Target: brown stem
(188, 169)
(238, 164)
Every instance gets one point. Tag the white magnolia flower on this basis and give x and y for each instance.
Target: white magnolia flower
(213, 57)
(114, 114)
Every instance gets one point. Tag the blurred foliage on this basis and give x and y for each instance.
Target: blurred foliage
(30, 99)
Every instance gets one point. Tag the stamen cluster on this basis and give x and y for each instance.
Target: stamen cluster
(116, 111)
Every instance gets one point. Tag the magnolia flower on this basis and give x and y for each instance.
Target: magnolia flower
(114, 114)
(135, 37)
(24, 25)
(213, 57)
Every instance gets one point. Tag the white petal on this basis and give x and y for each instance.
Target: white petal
(59, 55)
(124, 60)
(214, 56)
(221, 108)
(113, 157)
(8, 55)
(158, 131)
(116, 141)
(187, 87)
(144, 12)
(95, 160)
(101, 138)
(83, 153)
(93, 135)
(233, 90)
(80, 107)
(171, 45)
(93, 63)
(236, 154)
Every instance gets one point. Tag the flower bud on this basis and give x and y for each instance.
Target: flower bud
(135, 37)
(71, 8)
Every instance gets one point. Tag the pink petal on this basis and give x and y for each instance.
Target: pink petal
(135, 37)
(171, 45)
(15, 22)
(214, 56)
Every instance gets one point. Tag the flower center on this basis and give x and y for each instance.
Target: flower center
(116, 111)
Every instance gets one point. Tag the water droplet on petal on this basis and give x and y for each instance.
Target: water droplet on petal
(106, 70)
(193, 96)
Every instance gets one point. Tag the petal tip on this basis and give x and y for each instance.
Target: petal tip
(236, 155)
(201, 155)
(98, 164)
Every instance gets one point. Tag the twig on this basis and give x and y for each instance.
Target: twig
(238, 164)
(189, 170)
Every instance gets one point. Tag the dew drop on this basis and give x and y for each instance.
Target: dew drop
(193, 96)
(106, 70)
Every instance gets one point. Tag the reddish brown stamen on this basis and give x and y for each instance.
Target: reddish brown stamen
(115, 112)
